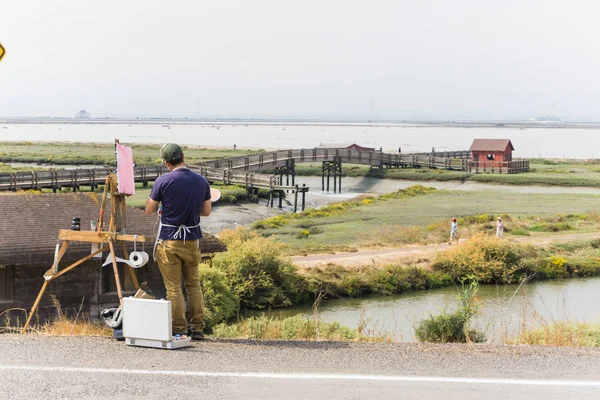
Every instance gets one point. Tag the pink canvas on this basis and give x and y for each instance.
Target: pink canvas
(125, 178)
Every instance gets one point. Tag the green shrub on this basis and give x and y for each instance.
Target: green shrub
(315, 230)
(353, 286)
(303, 234)
(273, 222)
(220, 303)
(453, 327)
(396, 279)
(551, 227)
(518, 232)
(553, 267)
(584, 266)
(488, 259)
(256, 272)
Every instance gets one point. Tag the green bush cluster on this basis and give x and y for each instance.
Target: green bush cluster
(454, 327)
(393, 279)
(551, 227)
(233, 194)
(412, 191)
(492, 260)
(220, 303)
(256, 273)
(487, 258)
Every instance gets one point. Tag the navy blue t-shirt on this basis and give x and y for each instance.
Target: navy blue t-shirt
(182, 193)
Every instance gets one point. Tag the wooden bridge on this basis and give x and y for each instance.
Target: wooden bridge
(243, 170)
(449, 160)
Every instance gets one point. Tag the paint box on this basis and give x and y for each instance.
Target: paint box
(147, 323)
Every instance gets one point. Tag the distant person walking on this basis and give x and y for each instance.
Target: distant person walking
(399, 150)
(499, 228)
(234, 147)
(453, 231)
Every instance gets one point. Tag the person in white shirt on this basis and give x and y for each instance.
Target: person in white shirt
(499, 228)
(453, 231)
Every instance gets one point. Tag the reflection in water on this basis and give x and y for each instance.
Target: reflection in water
(504, 309)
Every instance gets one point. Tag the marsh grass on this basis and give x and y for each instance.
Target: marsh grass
(61, 325)
(419, 215)
(100, 153)
(558, 333)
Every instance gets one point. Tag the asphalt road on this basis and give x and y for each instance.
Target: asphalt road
(99, 368)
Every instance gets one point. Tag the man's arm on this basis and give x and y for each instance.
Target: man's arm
(151, 206)
(205, 209)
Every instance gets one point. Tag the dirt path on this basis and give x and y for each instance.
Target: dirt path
(390, 255)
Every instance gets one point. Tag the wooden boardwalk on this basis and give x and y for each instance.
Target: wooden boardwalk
(448, 160)
(93, 177)
(243, 170)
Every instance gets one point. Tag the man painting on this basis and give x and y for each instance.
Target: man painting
(185, 196)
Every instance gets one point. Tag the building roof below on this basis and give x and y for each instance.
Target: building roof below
(30, 225)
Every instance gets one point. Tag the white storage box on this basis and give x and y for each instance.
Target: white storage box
(147, 323)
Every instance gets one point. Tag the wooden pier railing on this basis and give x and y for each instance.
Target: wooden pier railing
(499, 167)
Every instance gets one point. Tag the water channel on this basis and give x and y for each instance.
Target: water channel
(504, 309)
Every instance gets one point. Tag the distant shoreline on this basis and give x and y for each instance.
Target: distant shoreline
(301, 122)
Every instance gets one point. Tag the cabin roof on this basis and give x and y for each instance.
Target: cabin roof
(491, 145)
(30, 225)
(343, 146)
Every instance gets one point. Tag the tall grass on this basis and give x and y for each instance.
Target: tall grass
(449, 327)
(291, 328)
(61, 325)
(561, 333)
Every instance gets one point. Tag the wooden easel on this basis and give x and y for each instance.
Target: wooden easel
(106, 239)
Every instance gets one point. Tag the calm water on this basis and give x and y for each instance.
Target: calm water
(528, 142)
(503, 308)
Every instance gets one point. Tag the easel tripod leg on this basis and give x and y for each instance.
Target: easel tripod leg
(116, 271)
(35, 306)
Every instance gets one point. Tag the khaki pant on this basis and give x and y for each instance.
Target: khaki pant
(176, 259)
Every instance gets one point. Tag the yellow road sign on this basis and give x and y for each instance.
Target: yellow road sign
(2, 52)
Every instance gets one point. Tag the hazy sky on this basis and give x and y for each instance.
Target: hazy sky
(321, 58)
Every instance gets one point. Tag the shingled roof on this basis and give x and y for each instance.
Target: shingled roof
(30, 223)
(491, 145)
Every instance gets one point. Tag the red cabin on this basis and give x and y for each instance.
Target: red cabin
(485, 150)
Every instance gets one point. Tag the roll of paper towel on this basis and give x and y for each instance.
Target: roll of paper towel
(138, 259)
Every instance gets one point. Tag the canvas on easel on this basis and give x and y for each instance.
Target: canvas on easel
(125, 169)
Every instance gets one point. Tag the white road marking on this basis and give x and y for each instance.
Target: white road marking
(301, 376)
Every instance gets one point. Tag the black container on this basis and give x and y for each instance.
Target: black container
(76, 224)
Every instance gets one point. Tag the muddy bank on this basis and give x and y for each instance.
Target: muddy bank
(230, 216)
(244, 213)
